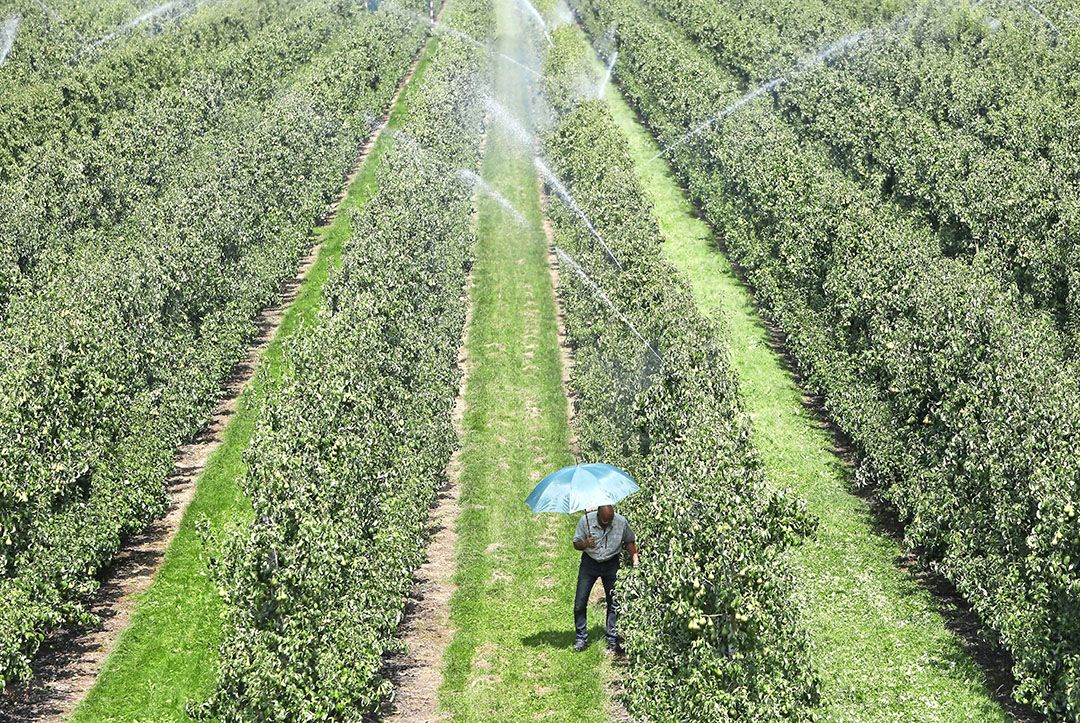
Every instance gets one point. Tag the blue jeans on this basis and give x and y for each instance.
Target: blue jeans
(588, 571)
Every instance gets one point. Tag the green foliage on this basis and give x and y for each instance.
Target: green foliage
(710, 627)
(92, 148)
(351, 447)
(957, 395)
(993, 163)
(65, 103)
(758, 40)
(48, 41)
(567, 71)
(115, 352)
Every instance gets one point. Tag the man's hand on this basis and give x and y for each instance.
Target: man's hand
(587, 542)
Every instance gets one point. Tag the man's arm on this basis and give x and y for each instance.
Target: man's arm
(582, 536)
(631, 547)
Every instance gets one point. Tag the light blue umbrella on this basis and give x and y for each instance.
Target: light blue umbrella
(581, 487)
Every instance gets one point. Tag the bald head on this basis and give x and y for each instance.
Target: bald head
(605, 514)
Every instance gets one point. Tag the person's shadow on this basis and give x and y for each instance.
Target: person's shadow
(560, 638)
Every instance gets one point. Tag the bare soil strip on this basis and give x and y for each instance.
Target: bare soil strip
(566, 353)
(69, 661)
(426, 630)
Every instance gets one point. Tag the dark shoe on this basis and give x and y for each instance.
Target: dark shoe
(615, 648)
(580, 645)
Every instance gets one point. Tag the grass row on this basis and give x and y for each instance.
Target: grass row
(510, 658)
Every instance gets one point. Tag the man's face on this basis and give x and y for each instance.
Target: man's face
(605, 514)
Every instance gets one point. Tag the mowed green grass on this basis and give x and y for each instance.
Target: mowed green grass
(879, 641)
(510, 658)
(168, 654)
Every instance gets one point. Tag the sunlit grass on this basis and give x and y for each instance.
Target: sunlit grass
(879, 642)
(511, 657)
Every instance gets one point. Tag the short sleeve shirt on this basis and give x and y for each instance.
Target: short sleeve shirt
(609, 541)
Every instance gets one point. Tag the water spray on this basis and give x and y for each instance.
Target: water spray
(563, 16)
(531, 9)
(48, 10)
(831, 51)
(564, 194)
(1049, 23)
(509, 122)
(7, 35)
(466, 176)
(507, 58)
(130, 25)
(822, 56)
(606, 43)
(569, 261)
(607, 74)
(56, 18)
(476, 181)
(442, 29)
(744, 100)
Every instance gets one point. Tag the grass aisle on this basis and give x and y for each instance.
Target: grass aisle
(168, 654)
(878, 639)
(510, 658)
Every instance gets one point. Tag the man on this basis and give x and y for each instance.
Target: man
(600, 536)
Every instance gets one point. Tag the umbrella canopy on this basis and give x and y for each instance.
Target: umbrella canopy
(581, 487)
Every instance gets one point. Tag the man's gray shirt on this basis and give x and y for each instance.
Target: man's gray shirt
(607, 542)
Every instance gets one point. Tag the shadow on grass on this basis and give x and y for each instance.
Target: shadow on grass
(561, 638)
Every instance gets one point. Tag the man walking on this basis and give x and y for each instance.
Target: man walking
(600, 536)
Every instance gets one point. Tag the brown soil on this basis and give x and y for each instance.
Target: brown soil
(566, 353)
(426, 630)
(69, 660)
